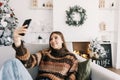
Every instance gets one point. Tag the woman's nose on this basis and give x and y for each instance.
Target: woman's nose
(52, 40)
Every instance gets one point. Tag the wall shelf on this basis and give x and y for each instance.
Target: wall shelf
(42, 4)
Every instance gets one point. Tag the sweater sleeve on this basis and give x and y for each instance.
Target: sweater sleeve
(29, 60)
(73, 70)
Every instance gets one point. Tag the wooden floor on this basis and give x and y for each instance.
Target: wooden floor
(115, 70)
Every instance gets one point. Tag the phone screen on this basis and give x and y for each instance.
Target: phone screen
(27, 22)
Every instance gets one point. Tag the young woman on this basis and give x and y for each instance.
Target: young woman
(55, 63)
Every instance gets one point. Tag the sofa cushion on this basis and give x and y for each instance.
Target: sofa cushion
(84, 70)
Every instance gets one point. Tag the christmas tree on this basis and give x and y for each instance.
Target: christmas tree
(8, 22)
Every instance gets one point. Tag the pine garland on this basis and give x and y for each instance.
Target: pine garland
(70, 15)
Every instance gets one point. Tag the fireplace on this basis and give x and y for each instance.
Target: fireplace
(81, 48)
(100, 54)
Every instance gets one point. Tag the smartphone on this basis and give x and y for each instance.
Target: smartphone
(26, 22)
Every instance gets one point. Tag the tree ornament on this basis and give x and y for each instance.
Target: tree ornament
(76, 16)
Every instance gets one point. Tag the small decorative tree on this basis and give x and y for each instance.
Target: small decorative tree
(96, 50)
(8, 22)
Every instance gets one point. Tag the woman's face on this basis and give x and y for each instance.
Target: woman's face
(56, 41)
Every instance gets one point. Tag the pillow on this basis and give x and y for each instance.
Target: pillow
(84, 70)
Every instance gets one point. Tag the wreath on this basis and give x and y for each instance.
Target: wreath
(75, 10)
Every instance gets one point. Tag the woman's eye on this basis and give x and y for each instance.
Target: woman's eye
(56, 37)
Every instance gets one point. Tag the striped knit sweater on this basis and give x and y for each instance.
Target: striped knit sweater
(53, 64)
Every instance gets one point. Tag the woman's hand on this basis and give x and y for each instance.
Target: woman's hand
(16, 35)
